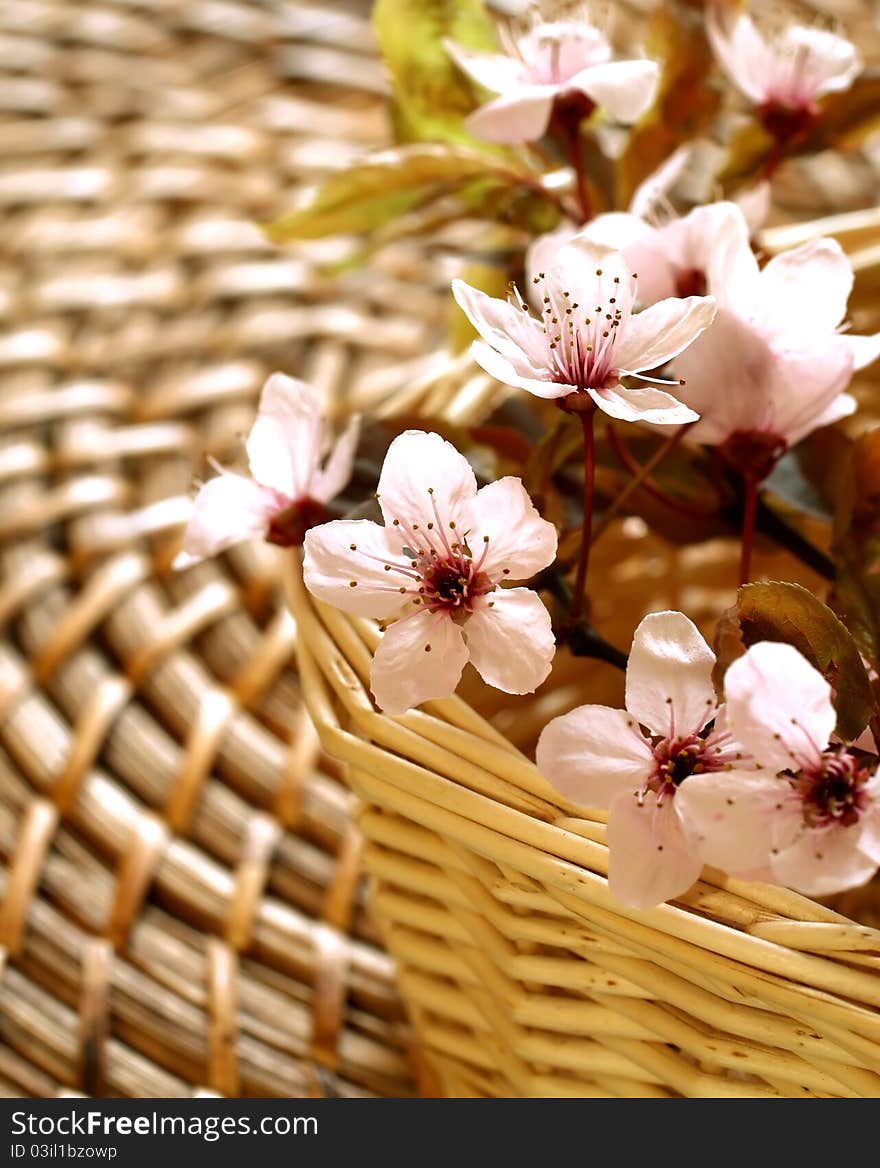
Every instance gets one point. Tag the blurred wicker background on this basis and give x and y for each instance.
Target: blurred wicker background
(181, 906)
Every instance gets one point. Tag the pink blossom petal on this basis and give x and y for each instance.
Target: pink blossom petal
(330, 564)
(328, 482)
(735, 816)
(736, 380)
(807, 385)
(830, 63)
(228, 509)
(805, 289)
(661, 331)
(510, 373)
(824, 860)
(284, 445)
(755, 203)
(713, 239)
(643, 248)
(651, 857)
(520, 541)
(869, 839)
(741, 51)
(593, 754)
(405, 673)
(843, 406)
(519, 115)
(425, 480)
(624, 89)
(779, 706)
(865, 350)
(510, 640)
(642, 403)
(593, 273)
(656, 187)
(669, 676)
(493, 71)
(513, 333)
(540, 255)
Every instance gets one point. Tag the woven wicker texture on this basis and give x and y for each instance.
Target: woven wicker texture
(182, 907)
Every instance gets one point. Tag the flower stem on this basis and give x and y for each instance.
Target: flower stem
(641, 478)
(578, 596)
(750, 506)
(575, 154)
(640, 475)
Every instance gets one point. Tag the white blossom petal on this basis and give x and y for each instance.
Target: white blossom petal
(510, 331)
(227, 509)
(669, 676)
(594, 753)
(329, 481)
(330, 564)
(642, 403)
(519, 540)
(657, 186)
(828, 63)
(493, 71)
(510, 640)
(865, 350)
(519, 115)
(736, 815)
(779, 706)
(642, 246)
(624, 89)
(284, 446)
(406, 673)
(805, 290)
(822, 861)
(651, 857)
(661, 331)
(509, 373)
(425, 480)
(842, 406)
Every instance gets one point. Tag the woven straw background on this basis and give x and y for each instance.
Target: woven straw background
(181, 902)
(182, 907)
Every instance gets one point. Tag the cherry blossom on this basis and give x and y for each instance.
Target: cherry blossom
(601, 757)
(587, 337)
(434, 574)
(810, 817)
(553, 60)
(682, 256)
(774, 366)
(784, 69)
(289, 485)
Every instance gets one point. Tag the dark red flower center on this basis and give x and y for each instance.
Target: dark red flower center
(834, 790)
(289, 525)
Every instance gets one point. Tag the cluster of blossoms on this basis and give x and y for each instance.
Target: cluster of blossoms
(751, 785)
(645, 317)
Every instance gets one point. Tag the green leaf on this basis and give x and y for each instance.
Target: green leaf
(777, 611)
(686, 102)
(391, 183)
(856, 546)
(431, 96)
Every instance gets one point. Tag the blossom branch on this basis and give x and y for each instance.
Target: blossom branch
(587, 417)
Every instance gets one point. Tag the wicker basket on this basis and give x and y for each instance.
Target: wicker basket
(181, 903)
(522, 974)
